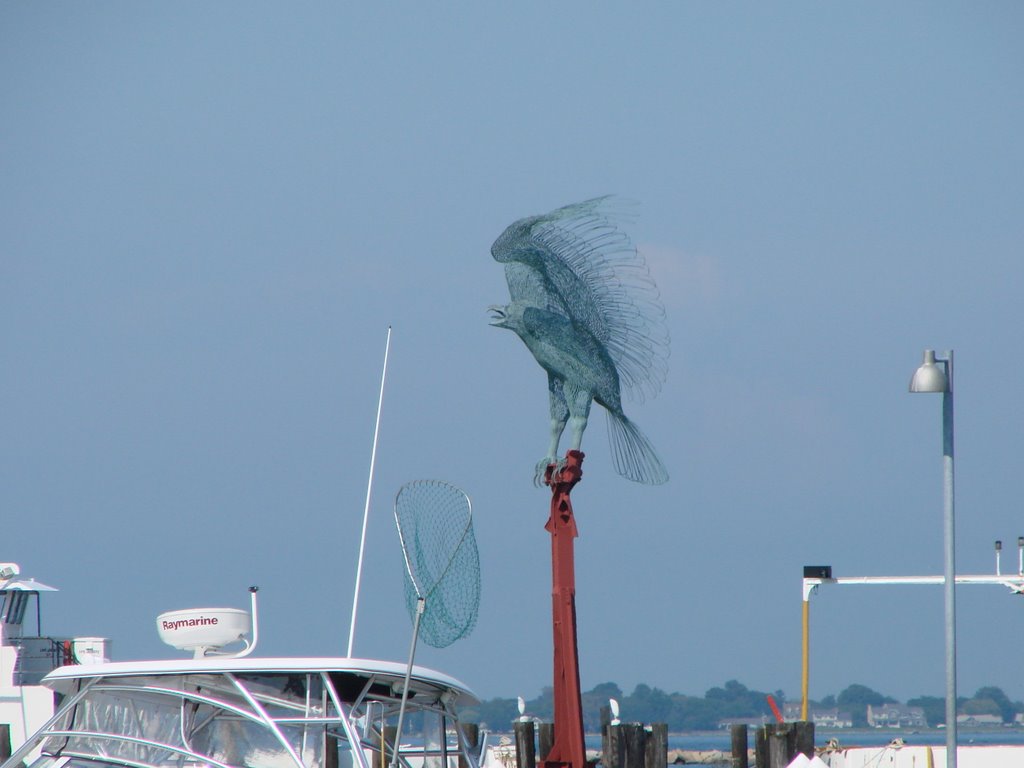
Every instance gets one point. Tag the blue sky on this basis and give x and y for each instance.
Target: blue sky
(212, 213)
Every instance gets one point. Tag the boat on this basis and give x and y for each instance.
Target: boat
(223, 709)
(25, 659)
(906, 756)
(232, 712)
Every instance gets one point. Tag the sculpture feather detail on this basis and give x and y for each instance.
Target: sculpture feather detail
(584, 303)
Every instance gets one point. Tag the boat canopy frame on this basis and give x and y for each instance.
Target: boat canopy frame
(296, 716)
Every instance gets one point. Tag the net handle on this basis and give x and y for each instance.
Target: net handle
(420, 605)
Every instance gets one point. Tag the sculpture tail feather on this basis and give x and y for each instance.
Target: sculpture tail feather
(632, 453)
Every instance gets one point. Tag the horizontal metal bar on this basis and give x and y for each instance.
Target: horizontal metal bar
(1013, 583)
(106, 736)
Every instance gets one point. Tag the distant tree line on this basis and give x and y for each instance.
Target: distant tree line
(683, 712)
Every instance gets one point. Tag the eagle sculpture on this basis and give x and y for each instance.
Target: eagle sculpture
(583, 302)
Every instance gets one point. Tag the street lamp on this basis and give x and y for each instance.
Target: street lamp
(930, 377)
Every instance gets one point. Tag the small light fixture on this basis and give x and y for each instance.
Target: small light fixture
(929, 377)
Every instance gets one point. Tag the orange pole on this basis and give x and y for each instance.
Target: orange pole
(568, 749)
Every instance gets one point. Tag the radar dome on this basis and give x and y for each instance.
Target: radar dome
(203, 629)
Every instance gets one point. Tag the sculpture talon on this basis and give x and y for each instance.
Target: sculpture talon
(540, 472)
(585, 306)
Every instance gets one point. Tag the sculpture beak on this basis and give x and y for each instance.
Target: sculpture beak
(498, 315)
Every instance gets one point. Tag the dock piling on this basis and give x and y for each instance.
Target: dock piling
(471, 732)
(803, 732)
(545, 739)
(633, 745)
(656, 751)
(739, 746)
(606, 724)
(779, 737)
(526, 751)
(777, 744)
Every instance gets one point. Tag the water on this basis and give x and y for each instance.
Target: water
(848, 737)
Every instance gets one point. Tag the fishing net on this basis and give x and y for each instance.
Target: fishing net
(442, 565)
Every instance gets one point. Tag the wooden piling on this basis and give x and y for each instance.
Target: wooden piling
(545, 739)
(471, 732)
(778, 736)
(761, 747)
(606, 722)
(5, 741)
(739, 746)
(330, 751)
(632, 744)
(613, 752)
(656, 751)
(390, 745)
(803, 732)
(776, 744)
(526, 751)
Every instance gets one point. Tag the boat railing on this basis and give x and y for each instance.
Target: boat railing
(230, 720)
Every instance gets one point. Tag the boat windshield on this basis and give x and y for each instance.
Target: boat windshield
(248, 720)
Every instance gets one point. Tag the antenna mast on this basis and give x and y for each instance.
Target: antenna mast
(369, 492)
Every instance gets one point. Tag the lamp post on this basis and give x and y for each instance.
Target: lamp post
(931, 378)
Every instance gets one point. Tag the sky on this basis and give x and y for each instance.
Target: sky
(212, 213)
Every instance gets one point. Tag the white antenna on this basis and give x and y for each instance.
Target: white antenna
(369, 489)
(255, 623)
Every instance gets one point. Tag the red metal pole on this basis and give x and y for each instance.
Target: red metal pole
(568, 749)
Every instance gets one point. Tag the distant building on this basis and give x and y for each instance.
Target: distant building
(821, 717)
(979, 720)
(896, 716)
(831, 718)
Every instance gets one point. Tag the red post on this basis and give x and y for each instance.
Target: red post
(568, 750)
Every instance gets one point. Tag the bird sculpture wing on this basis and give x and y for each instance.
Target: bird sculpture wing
(574, 261)
(584, 304)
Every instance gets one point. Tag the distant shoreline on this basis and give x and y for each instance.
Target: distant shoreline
(1009, 727)
(721, 739)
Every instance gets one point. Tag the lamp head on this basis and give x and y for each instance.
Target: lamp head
(929, 377)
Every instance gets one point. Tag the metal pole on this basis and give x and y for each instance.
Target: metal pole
(806, 665)
(949, 531)
(420, 606)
